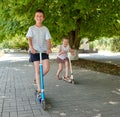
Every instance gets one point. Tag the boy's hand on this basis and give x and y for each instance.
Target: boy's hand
(32, 50)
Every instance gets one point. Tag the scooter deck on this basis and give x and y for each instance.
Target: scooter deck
(68, 80)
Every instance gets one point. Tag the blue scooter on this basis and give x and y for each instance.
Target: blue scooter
(41, 97)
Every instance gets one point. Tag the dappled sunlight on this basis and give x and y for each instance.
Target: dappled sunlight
(97, 115)
(108, 53)
(16, 69)
(116, 91)
(84, 70)
(108, 61)
(97, 55)
(53, 55)
(113, 102)
(83, 55)
(2, 97)
(14, 57)
(29, 65)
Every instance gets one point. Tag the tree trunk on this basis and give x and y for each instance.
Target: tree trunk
(74, 44)
(75, 40)
(75, 55)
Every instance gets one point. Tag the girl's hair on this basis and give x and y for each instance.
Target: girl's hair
(40, 11)
(66, 38)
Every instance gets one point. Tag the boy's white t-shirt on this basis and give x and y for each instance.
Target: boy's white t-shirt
(39, 37)
(63, 56)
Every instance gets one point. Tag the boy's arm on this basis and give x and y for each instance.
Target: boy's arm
(49, 46)
(32, 50)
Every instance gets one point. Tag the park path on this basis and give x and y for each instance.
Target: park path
(95, 94)
(102, 56)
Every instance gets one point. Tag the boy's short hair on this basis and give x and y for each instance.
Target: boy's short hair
(40, 11)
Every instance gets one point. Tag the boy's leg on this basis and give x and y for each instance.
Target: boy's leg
(46, 66)
(37, 74)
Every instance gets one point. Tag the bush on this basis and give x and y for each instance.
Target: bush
(115, 46)
(17, 42)
(110, 44)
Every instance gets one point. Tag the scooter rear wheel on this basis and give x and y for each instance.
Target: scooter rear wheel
(73, 82)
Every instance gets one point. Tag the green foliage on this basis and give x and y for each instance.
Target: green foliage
(18, 42)
(115, 45)
(76, 18)
(111, 44)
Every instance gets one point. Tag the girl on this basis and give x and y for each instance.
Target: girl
(62, 58)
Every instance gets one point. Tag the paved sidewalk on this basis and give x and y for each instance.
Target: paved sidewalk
(94, 94)
(103, 56)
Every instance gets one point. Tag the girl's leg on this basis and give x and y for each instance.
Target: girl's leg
(60, 68)
(37, 74)
(66, 68)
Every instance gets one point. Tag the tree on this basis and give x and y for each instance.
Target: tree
(73, 18)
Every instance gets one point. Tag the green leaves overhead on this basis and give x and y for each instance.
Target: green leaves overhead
(89, 18)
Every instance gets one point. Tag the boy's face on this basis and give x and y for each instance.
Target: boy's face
(65, 42)
(39, 17)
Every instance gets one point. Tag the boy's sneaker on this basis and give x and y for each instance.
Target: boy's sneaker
(38, 94)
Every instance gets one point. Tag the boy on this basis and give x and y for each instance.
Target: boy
(39, 41)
